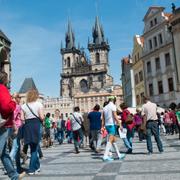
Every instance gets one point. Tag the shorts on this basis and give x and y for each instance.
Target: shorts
(111, 129)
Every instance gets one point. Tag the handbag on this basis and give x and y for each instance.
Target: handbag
(129, 119)
(122, 133)
(82, 126)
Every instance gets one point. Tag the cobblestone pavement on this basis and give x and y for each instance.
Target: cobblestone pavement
(60, 163)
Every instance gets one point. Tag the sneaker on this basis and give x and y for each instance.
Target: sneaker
(149, 153)
(21, 175)
(31, 173)
(37, 171)
(129, 151)
(77, 150)
(108, 159)
(122, 156)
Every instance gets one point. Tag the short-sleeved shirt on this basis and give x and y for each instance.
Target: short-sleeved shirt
(95, 120)
(108, 113)
(35, 106)
(150, 109)
(47, 123)
(74, 124)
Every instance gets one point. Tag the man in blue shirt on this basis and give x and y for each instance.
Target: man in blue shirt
(95, 128)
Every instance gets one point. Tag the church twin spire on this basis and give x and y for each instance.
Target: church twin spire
(97, 33)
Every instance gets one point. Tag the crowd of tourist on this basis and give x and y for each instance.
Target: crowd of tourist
(23, 126)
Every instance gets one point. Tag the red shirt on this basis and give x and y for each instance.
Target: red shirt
(172, 116)
(125, 114)
(68, 125)
(7, 106)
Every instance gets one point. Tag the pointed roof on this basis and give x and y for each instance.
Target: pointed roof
(27, 85)
(98, 34)
(70, 39)
(4, 36)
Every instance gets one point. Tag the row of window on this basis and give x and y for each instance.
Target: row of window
(154, 41)
(138, 77)
(68, 60)
(160, 87)
(62, 115)
(158, 63)
(54, 105)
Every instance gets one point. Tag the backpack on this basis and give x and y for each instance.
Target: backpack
(129, 117)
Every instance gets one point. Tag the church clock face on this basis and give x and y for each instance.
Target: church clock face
(84, 86)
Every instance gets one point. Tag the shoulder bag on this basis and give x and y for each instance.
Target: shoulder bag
(82, 126)
(33, 113)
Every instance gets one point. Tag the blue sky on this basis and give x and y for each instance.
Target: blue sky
(37, 27)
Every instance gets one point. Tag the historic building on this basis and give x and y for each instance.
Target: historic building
(5, 49)
(175, 30)
(87, 81)
(79, 74)
(65, 105)
(128, 85)
(137, 67)
(158, 58)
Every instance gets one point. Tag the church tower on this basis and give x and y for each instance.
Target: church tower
(70, 55)
(99, 48)
(99, 52)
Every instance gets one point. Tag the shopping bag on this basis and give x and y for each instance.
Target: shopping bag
(122, 133)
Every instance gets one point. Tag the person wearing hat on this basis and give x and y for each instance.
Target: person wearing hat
(109, 120)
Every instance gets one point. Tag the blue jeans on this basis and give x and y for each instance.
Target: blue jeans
(69, 136)
(14, 149)
(78, 135)
(15, 153)
(34, 161)
(128, 140)
(6, 160)
(60, 136)
(152, 128)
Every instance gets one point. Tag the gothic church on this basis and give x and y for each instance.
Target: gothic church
(81, 75)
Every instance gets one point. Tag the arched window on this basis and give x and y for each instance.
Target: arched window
(84, 86)
(97, 58)
(68, 62)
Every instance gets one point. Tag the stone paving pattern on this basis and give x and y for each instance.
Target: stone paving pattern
(60, 163)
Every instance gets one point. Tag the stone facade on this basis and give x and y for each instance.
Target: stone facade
(86, 102)
(5, 49)
(87, 82)
(65, 105)
(128, 85)
(79, 74)
(137, 66)
(175, 30)
(84, 82)
(158, 58)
